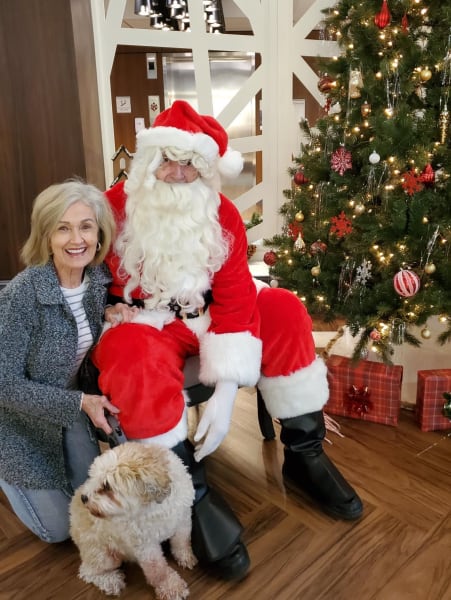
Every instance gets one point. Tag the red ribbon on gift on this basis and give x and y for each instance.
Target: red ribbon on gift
(359, 399)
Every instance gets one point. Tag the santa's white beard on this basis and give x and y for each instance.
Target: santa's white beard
(172, 243)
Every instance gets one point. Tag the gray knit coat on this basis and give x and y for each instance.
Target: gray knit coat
(38, 344)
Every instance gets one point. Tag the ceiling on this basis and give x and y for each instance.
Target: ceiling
(235, 20)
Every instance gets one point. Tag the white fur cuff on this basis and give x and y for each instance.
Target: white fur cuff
(302, 392)
(170, 438)
(230, 357)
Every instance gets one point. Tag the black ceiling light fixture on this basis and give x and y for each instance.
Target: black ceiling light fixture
(173, 15)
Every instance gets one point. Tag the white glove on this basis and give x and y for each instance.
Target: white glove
(215, 421)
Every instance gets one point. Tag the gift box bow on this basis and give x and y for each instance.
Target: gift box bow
(447, 405)
(358, 399)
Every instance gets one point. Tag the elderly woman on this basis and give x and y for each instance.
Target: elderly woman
(51, 314)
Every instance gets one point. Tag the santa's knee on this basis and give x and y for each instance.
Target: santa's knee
(285, 331)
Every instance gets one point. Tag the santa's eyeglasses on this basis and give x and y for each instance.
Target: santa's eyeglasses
(183, 163)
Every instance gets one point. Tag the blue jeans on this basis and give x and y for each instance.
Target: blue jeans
(46, 512)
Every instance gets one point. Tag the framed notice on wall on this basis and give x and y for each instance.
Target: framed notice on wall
(123, 104)
(154, 108)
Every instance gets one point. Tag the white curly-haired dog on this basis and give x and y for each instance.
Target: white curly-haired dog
(136, 497)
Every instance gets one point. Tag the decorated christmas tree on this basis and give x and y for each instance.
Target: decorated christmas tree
(367, 234)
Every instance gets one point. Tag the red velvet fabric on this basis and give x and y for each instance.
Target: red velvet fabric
(286, 332)
(141, 371)
(141, 368)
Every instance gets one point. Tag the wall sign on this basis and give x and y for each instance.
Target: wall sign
(123, 104)
(154, 107)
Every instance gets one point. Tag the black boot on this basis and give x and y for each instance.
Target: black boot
(216, 532)
(307, 465)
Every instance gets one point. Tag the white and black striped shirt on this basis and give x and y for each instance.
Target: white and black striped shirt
(74, 297)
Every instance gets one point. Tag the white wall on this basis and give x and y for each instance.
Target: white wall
(279, 32)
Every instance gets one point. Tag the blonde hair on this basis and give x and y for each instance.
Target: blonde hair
(48, 208)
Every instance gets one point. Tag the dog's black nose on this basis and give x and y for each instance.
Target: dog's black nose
(84, 498)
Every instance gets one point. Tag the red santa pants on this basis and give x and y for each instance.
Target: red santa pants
(141, 367)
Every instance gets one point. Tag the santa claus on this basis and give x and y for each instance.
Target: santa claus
(181, 257)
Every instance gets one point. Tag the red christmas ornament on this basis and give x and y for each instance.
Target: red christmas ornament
(340, 225)
(318, 247)
(383, 18)
(341, 160)
(411, 182)
(406, 283)
(405, 23)
(325, 84)
(375, 335)
(294, 229)
(299, 178)
(427, 176)
(270, 258)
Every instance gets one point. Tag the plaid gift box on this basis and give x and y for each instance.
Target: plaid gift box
(366, 390)
(431, 385)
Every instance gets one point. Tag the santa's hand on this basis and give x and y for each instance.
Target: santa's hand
(215, 420)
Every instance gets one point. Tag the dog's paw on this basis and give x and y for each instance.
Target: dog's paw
(186, 559)
(110, 582)
(172, 588)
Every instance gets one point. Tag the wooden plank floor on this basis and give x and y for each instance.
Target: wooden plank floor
(399, 550)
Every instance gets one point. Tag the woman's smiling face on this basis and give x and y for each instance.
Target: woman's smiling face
(74, 241)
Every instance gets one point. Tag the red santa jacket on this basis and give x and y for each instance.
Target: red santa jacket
(230, 348)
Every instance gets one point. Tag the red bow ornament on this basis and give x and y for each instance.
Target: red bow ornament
(359, 400)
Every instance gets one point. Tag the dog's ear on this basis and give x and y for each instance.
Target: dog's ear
(158, 491)
(155, 480)
(145, 470)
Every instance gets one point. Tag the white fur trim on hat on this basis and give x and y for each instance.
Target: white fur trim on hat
(163, 137)
(230, 357)
(231, 163)
(302, 392)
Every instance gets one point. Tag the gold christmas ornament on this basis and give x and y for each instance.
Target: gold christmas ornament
(365, 109)
(359, 209)
(315, 271)
(299, 216)
(425, 74)
(425, 333)
(429, 268)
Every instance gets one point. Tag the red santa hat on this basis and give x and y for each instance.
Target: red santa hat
(182, 127)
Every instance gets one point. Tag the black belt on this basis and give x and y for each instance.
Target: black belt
(173, 306)
(181, 314)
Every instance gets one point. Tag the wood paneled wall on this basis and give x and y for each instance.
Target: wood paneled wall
(45, 136)
(129, 78)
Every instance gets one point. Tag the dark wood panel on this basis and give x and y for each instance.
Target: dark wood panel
(88, 92)
(40, 122)
(129, 78)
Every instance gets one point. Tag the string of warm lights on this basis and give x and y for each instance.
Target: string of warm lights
(364, 108)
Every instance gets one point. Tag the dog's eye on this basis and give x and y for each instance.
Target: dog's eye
(106, 487)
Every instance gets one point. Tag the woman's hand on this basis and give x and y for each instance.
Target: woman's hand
(120, 313)
(94, 406)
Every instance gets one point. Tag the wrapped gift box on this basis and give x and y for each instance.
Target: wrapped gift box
(366, 390)
(431, 384)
